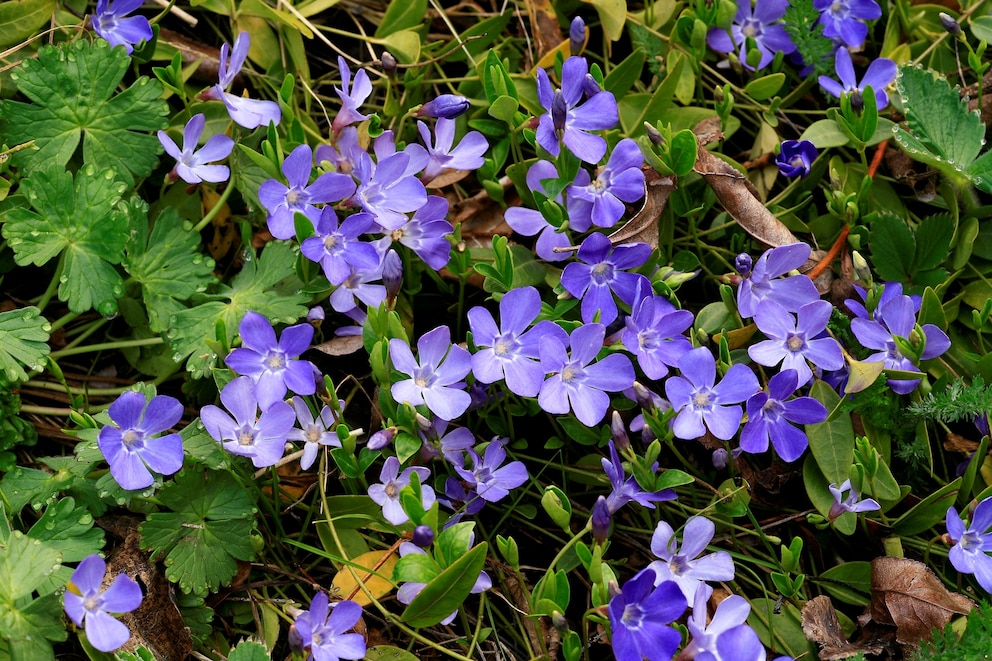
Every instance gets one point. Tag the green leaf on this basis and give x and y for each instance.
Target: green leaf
(448, 591)
(169, 266)
(933, 241)
(612, 14)
(826, 133)
(454, 542)
(849, 582)
(81, 218)
(624, 75)
(266, 285)
(504, 108)
(249, 650)
(831, 442)
(402, 15)
(72, 88)
(892, 247)
(28, 625)
(210, 526)
(29, 631)
(765, 87)
(981, 28)
(981, 172)
(69, 531)
(23, 341)
(388, 653)
(415, 568)
(21, 19)
(21, 486)
(939, 118)
(928, 512)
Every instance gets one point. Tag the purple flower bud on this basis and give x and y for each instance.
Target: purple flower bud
(447, 106)
(423, 536)
(315, 315)
(381, 438)
(982, 423)
(559, 622)
(953, 27)
(619, 432)
(295, 640)
(388, 62)
(719, 459)
(796, 158)
(559, 111)
(576, 35)
(743, 263)
(590, 86)
(392, 274)
(601, 520)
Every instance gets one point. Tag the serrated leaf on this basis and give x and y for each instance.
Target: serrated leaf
(24, 563)
(81, 218)
(23, 342)
(447, 591)
(933, 240)
(266, 285)
(892, 248)
(21, 486)
(69, 531)
(29, 631)
(72, 88)
(249, 650)
(208, 529)
(939, 118)
(981, 172)
(169, 266)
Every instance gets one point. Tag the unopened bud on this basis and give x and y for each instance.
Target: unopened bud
(719, 458)
(381, 438)
(743, 264)
(392, 274)
(861, 268)
(654, 135)
(601, 520)
(952, 26)
(590, 86)
(645, 398)
(559, 622)
(619, 432)
(315, 316)
(857, 101)
(295, 640)
(424, 423)
(559, 111)
(389, 62)
(423, 536)
(447, 106)
(576, 35)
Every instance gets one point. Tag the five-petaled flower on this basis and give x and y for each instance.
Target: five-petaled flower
(626, 489)
(794, 340)
(86, 605)
(880, 73)
(325, 630)
(435, 375)
(852, 503)
(760, 24)
(386, 493)
(249, 113)
(601, 201)
(702, 405)
(601, 272)
(969, 555)
(761, 280)
(314, 431)
(246, 434)
(132, 447)
(685, 566)
(844, 19)
(569, 119)
(640, 616)
(192, 164)
(111, 22)
(352, 95)
(772, 415)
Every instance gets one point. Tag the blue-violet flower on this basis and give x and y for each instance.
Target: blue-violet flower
(87, 606)
(132, 447)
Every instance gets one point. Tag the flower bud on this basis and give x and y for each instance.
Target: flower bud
(719, 458)
(381, 438)
(295, 640)
(388, 62)
(447, 106)
(423, 536)
(601, 520)
(657, 139)
(953, 27)
(619, 432)
(315, 316)
(590, 86)
(392, 274)
(576, 35)
(743, 264)
(559, 111)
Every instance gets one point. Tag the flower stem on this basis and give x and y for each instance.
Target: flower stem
(123, 344)
(53, 285)
(221, 201)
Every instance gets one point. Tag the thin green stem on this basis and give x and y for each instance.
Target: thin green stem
(121, 344)
(63, 320)
(221, 201)
(53, 286)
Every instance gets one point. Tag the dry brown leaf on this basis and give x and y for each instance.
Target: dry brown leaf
(958, 443)
(907, 594)
(643, 227)
(820, 624)
(481, 217)
(340, 346)
(369, 568)
(544, 26)
(446, 178)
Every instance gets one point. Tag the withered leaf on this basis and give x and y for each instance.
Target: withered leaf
(820, 624)
(643, 227)
(907, 594)
(340, 346)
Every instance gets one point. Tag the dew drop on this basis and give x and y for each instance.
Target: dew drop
(63, 278)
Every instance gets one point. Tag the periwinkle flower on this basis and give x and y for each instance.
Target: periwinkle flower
(844, 20)
(577, 383)
(390, 189)
(262, 438)
(795, 158)
(386, 493)
(352, 95)
(763, 282)
(338, 248)
(435, 375)
(653, 333)
(851, 503)
(468, 155)
(740, 643)
(640, 616)
(686, 565)
(87, 606)
(772, 415)
(703, 405)
(969, 555)
(132, 447)
(600, 520)
(511, 351)
(192, 164)
(730, 613)
(491, 479)
(313, 431)
(359, 285)
(601, 272)
(270, 362)
(112, 23)
(249, 113)
(445, 106)
(626, 489)
(425, 234)
(283, 202)
(880, 73)
(568, 118)
(324, 630)
(531, 222)
(760, 24)
(793, 341)
(601, 201)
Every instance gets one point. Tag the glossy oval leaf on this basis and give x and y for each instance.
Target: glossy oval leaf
(831, 442)
(448, 591)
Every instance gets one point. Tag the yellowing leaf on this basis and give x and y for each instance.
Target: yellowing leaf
(369, 568)
(613, 14)
(862, 375)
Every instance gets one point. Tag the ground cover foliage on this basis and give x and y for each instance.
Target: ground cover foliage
(393, 330)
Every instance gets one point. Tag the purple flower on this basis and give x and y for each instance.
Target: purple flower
(132, 447)
(567, 119)
(769, 416)
(762, 282)
(852, 503)
(424, 234)
(339, 249)
(359, 285)
(468, 155)
(436, 380)
(314, 432)
(325, 634)
(603, 274)
(351, 98)
(492, 481)
(759, 24)
(700, 404)
(261, 438)
(793, 342)
(406, 592)
(969, 555)
(601, 202)
(390, 189)
(626, 489)
(386, 494)
(653, 333)
(531, 222)
(249, 113)
(740, 643)
(511, 352)
(880, 73)
(685, 566)
(796, 158)
(640, 617)
(191, 163)
(576, 382)
(270, 363)
(896, 318)
(113, 24)
(843, 20)
(576, 35)
(730, 613)
(87, 606)
(445, 106)
(282, 201)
